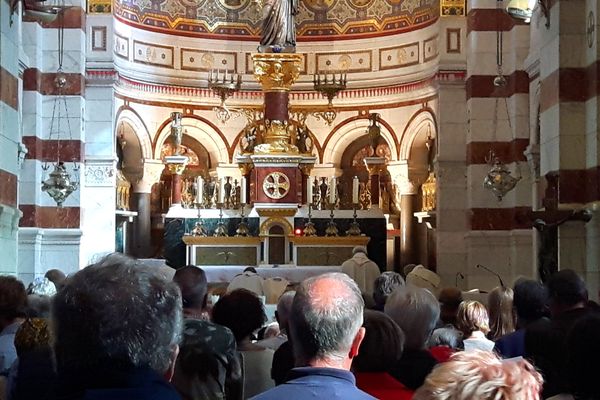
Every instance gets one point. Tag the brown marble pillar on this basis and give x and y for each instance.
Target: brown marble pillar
(407, 228)
(276, 106)
(175, 189)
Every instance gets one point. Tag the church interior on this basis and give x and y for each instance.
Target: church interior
(460, 135)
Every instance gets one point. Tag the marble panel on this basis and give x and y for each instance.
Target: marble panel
(153, 54)
(73, 61)
(399, 56)
(355, 61)
(198, 60)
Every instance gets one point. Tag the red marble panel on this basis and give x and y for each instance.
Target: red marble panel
(8, 188)
(73, 18)
(49, 217)
(490, 19)
(483, 85)
(47, 150)
(500, 219)
(35, 80)
(9, 89)
(506, 151)
(258, 175)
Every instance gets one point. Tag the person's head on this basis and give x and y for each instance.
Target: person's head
(284, 308)
(500, 306)
(57, 277)
(382, 346)
(446, 336)
(424, 278)
(384, 285)
(326, 321)
(583, 349)
(359, 249)
(566, 291)
(408, 269)
(481, 375)
(13, 300)
(450, 298)
(530, 300)
(207, 361)
(115, 315)
(416, 312)
(472, 316)
(241, 311)
(194, 286)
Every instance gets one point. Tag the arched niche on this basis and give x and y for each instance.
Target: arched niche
(128, 116)
(351, 130)
(420, 131)
(200, 131)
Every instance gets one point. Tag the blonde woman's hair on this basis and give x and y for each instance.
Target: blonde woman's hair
(502, 315)
(481, 375)
(472, 316)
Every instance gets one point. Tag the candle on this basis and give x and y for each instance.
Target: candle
(243, 193)
(309, 190)
(355, 184)
(222, 191)
(199, 189)
(332, 187)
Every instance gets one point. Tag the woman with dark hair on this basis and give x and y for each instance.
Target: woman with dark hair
(380, 349)
(243, 313)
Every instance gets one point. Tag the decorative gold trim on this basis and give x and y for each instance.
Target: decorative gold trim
(269, 223)
(221, 240)
(276, 212)
(324, 241)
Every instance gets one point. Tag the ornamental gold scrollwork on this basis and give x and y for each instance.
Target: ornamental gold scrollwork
(277, 72)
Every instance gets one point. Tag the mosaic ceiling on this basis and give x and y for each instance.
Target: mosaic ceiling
(240, 19)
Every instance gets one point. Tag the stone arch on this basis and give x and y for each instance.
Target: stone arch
(266, 226)
(420, 124)
(126, 115)
(350, 130)
(202, 131)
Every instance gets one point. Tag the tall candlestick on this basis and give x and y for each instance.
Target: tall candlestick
(222, 191)
(309, 190)
(243, 194)
(199, 189)
(332, 188)
(355, 184)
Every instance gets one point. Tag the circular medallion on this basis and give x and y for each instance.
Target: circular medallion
(276, 185)
(319, 5)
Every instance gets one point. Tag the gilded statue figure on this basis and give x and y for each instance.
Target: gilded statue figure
(278, 27)
(176, 132)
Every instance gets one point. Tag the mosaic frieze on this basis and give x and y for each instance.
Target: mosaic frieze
(242, 18)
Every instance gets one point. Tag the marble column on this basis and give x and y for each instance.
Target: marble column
(142, 189)
(408, 197)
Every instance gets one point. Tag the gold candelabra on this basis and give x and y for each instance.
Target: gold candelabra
(224, 87)
(330, 89)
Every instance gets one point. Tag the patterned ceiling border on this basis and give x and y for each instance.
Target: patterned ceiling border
(390, 17)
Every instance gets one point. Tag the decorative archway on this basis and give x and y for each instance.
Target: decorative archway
(126, 115)
(266, 226)
(422, 123)
(347, 132)
(200, 130)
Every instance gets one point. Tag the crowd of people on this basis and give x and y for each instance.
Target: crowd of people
(119, 329)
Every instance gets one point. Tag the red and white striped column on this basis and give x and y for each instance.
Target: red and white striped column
(500, 233)
(49, 236)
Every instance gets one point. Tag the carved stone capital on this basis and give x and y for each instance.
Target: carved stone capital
(153, 169)
(276, 71)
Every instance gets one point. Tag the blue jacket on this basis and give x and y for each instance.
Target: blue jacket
(316, 383)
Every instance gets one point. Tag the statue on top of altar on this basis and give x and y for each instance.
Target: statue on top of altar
(176, 132)
(278, 27)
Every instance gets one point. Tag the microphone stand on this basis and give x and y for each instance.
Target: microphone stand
(497, 275)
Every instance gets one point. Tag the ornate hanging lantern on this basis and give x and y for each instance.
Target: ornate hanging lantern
(59, 185)
(499, 179)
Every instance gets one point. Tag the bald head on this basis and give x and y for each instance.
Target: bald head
(193, 284)
(327, 313)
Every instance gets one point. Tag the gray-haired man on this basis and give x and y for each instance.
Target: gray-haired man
(326, 332)
(117, 326)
